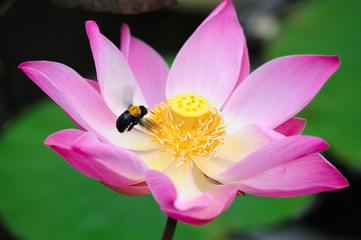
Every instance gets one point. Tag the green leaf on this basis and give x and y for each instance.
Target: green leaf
(330, 28)
(43, 197)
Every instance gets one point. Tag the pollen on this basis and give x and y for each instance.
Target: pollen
(187, 126)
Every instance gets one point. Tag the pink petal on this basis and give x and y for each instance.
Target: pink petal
(103, 170)
(148, 67)
(245, 67)
(293, 126)
(272, 155)
(307, 175)
(74, 94)
(123, 161)
(182, 179)
(81, 101)
(246, 141)
(278, 90)
(132, 190)
(117, 83)
(222, 196)
(125, 39)
(165, 194)
(237, 146)
(94, 84)
(209, 62)
(156, 160)
(162, 188)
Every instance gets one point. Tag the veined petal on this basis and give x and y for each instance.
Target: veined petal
(117, 83)
(81, 101)
(307, 175)
(131, 190)
(73, 93)
(63, 142)
(272, 155)
(95, 85)
(293, 126)
(148, 67)
(209, 62)
(278, 90)
(123, 161)
(237, 146)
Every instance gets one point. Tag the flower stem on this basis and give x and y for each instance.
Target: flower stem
(169, 229)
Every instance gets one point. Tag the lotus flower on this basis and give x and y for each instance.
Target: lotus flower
(213, 131)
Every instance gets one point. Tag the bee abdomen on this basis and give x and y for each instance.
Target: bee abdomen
(124, 121)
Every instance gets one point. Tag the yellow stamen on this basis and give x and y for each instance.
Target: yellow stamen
(199, 132)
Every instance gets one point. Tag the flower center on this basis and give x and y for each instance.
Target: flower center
(188, 127)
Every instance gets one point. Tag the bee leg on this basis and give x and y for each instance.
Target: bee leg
(130, 126)
(136, 121)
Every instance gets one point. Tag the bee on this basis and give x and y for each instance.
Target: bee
(131, 117)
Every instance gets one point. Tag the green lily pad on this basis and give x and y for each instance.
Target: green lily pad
(43, 197)
(330, 28)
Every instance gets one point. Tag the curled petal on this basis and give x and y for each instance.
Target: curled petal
(278, 90)
(209, 62)
(161, 187)
(198, 210)
(117, 83)
(293, 126)
(272, 155)
(148, 67)
(307, 175)
(118, 174)
(176, 188)
(222, 196)
(94, 84)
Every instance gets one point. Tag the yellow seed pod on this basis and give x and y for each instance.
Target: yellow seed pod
(189, 107)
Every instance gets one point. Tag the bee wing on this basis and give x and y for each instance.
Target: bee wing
(128, 101)
(133, 97)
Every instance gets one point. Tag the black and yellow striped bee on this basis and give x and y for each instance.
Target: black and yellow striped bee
(131, 117)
